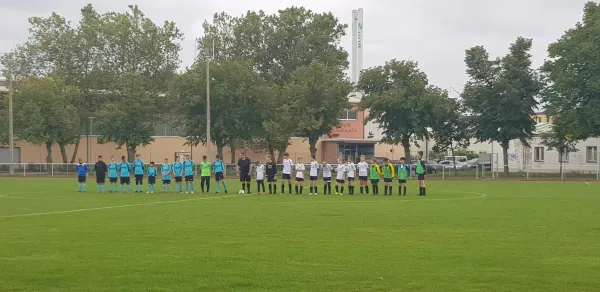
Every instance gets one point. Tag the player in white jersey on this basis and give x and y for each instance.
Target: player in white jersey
(327, 169)
(286, 173)
(339, 180)
(299, 176)
(260, 177)
(351, 170)
(363, 174)
(314, 175)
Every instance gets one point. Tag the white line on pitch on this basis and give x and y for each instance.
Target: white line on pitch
(114, 207)
(587, 183)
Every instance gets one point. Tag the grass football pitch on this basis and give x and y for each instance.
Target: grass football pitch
(464, 236)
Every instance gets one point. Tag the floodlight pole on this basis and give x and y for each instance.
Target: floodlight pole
(11, 134)
(208, 137)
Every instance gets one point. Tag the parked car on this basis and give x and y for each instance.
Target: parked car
(471, 164)
(450, 165)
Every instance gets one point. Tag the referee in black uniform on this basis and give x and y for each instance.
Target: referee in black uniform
(244, 168)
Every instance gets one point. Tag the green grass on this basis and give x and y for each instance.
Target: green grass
(464, 236)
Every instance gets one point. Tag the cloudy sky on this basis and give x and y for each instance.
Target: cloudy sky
(433, 32)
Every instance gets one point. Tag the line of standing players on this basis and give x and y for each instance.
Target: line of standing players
(121, 173)
(348, 171)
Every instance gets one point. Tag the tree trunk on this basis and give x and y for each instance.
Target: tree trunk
(505, 157)
(232, 146)
(219, 144)
(74, 156)
(280, 153)
(63, 152)
(453, 157)
(49, 152)
(406, 145)
(560, 163)
(131, 149)
(312, 145)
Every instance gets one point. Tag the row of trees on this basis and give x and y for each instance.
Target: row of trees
(282, 75)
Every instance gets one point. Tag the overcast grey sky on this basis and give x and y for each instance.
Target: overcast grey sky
(433, 32)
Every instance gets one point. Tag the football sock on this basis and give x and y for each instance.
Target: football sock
(337, 189)
(129, 188)
(296, 190)
(342, 190)
(290, 188)
(274, 189)
(315, 189)
(399, 191)
(362, 190)
(225, 186)
(329, 187)
(270, 189)
(405, 191)
(122, 188)
(248, 187)
(424, 191)
(98, 188)
(421, 191)
(244, 187)
(282, 188)
(217, 187)
(385, 190)
(301, 189)
(310, 190)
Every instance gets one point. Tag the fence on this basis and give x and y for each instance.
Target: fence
(547, 172)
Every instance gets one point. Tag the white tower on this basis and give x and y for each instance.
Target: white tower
(357, 44)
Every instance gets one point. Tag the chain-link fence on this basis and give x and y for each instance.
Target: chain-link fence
(545, 172)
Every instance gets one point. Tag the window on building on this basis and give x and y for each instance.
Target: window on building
(591, 154)
(348, 115)
(565, 157)
(538, 154)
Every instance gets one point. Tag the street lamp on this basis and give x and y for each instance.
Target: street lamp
(209, 57)
(11, 135)
(91, 120)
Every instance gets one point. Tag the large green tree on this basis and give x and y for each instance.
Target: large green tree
(73, 53)
(46, 113)
(319, 93)
(501, 95)
(277, 45)
(399, 98)
(559, 140)
(234, 102)
(572, 95)
(140, 59)
(451, 130)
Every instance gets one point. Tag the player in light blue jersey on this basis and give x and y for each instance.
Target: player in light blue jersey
(165, 172)
(152, 173)
(188, 172)
(178, 172)
(113, 168)
(219, 169)
(138, 171)
(124, 169)
(82, 170)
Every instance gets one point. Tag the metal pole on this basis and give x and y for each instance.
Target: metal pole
(11, 134)
(90, 133)
(492, 160)
(208, 138)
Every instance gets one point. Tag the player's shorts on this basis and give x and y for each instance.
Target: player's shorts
(189, 178)
(363, 178)
(387, 180)
(313, 177)
(151, 180)
(299, 179)
(374, 181)
(125, 180)
(218, 176)
(178, 179)
(402, 181)
(327, 179)
(139, 178)
(420, 176)
(245, 177)
(350, 178)
(113, 179)
(81, 179)
(100, 179)
(286, 176)
(260, 181)
(271, 178)
(166, 181)
(340, 181)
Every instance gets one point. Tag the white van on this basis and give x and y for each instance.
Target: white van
(459, 159)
